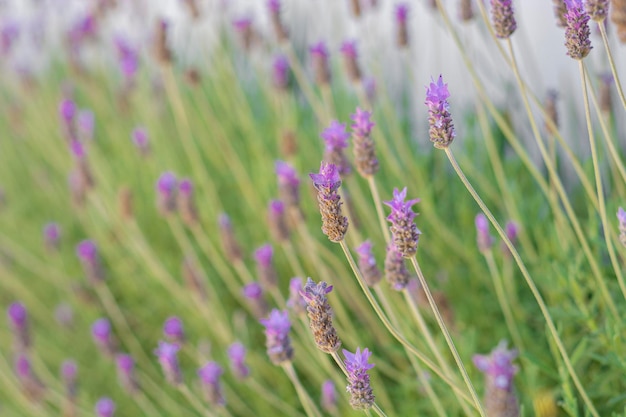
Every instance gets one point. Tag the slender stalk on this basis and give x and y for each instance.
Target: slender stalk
(596, 171)
(379, 207)
(309, 406)
(446, 335)
(194, 402)
(618, 85)
(529, 281)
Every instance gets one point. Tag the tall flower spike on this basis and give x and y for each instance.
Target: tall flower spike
(320, 315)
(336, 138)
(85, 122)
(349, 52)
(237, 356)
(209, 376)
(279, 29)
(402, 32)
(466, 10)
(618, 17)
(265, 267)
(105, 407)
(597, 9)
(502, 18)
(363, 145)
(126, 373)
(396, 273)
(243, 27)
(30, 384)
(440, 126)
(166, 193)
(254, 294)
(559, 12)
(229, 240)
(278, 343)
(280, 73)
(319, 60)
(404, 232)
(484, 240)
(361, 394)
(18, 320)
(329, 397)
(87, 253)
(577, 30)
(500, 398)
(173, 330)
(512, 230)
(141, 140)
(102, 336)
(168, 358)
(367, 263)
(621, 217)
(327, 182)
(186, 203)
(288, 184)
(51, 235)
(296, 303)
(69, 374)
(277, 221)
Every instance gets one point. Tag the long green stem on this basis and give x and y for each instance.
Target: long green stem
(309, 406)
(529, 281)
(618, 84)
(379, 207)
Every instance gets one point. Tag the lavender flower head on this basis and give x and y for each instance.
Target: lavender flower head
(327, 182)
(441, 129)
(367, 263)
(51, 235)
(511, 229)
(361, 394)
(577, 31)
(87, 252)
(243, 27)
(288, 184)
(254, 294)
(18, 320)
(597, 9)
(336, 138)
(349, 52)
(67, 112)
(502, 18)
(621, 217)
(278, 343)
(209, 376)
(484, 240)
(128, 58)
(500, 398)
(69, 371)
(237, 356)
(277, 221)
(265, 268)
(329, 397)
(101, 334)
(402, 33)
(364, 151)
(141, 140)
(320, 315)
(30, 384)
(396, 272)
(229, 240)
(404, 232)
(319, 60)
(280, 72)
(126, 373)
(296, 303)
(85, 121)
(279, 30)
(185, 202)
(77, 149)
(173, 330)
(105, 407)
(168, 358)
(166, 193)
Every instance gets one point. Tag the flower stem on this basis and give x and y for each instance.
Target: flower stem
(618, 85)
(309, 406)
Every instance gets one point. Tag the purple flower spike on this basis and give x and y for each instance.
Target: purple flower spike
(273, 5)
(441, 129)
(402, 32)
(263, 255)
(141, 140)
(242, 24)
(237, 356)
(166, 193)
(85, 121)
(320, 315)
(77, 149)
(87, 253)
(499, 372)
(278, 343)
(51, 235)
(621, 217)
(186, 203)
(502, 18)
(484, 240)
(512, 230)
(327, 179)
(577, 30)
(101, 333)
(254, 293)
(126, 373)
(348, 49)
(329, 397)
(362, 396)
(336, 138)
(327, 182)
(402, 12)
(319, 59)
(209, 376)
(597, 9)
(173, 330)
(364, 152)
(367, 263)
(296, 303)
(168, 358)
(265, 268)
(405, 233)
(274, 8)
(105, 407)
(396, 272)
(277, 221)
(280, 72)
(349, 52)
(69, 374)
(30, 384)
(18, 320)
(288, 184)
(67, 112)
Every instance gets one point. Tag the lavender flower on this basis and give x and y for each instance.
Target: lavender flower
(327, 182)
(280, 73)
(367, 263)
(441, 129)
(577, 30)
(404, 232)
(87, 253)
(166, 193)
(210, 379)
(288, 184)
(349, 52)
(618, 17)
(502, 18)
(606, 85)
(51, 235)
(466, 10)
(243, 27)
(141, 141)
(229, 240)
(279, 29)
(67, 112)
(278, 343)
(560, 9)
(369, 85)
(77, 149)
(101, 334)
(254, 294)
(277, 221)
(265, 268)
(402, 32)
(237, 356)
(173, 330)
(128, 59)
(296, 303)
(621, 217)
(186, 204)
(500, 398)
(126, 373)
(364, 152)
(336, 138)
(484, 240)
(319, 61)
(105, 407)
(168, 358)
(18, 320)
(512, 230)
(329, 397)
(355, 7)
(320, 315)
(361, 394)
(69, 373)
(396, 273)
(30, 384)
(85, 121)
(597, 9)
(162, 51)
